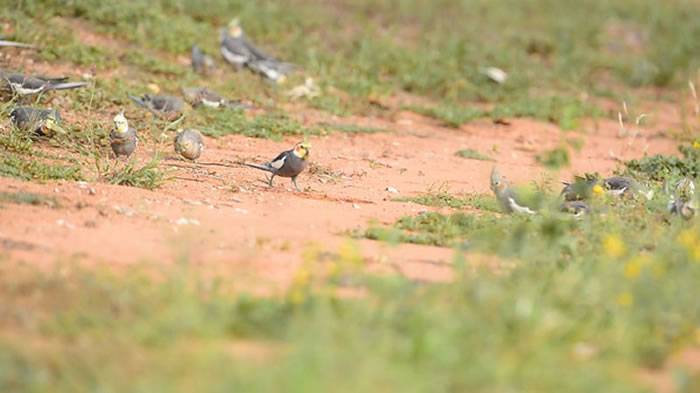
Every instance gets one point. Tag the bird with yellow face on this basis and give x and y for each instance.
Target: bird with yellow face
(39, 122)
(122, 138)
(289, 163)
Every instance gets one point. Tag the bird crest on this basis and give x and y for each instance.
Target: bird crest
(234, 28)
(497, 183)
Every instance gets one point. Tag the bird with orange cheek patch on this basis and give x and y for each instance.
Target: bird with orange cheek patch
(289, 163)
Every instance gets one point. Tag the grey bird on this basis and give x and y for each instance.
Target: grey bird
(580, 189)
(201, 62)
(122, 138)
(39, 122)
(24, 85)
(620, 185)
(289, 163)
(198, 96)
(189, 144)
(168, 107)
(577, 208)
(240, 52)
(683, 201)
(271, 69)
(506, 196)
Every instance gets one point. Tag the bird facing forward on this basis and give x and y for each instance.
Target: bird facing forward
(122, 138)
(289, 163)
(506, 196)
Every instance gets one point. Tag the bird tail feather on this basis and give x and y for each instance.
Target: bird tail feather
(16, 44)
(258, 166)
(68, 85)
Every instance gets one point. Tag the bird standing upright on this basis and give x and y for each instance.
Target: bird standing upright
(201, 62)
(683, 201)
(289, 163)
(122, 138)
(240, 52)
(506, 196)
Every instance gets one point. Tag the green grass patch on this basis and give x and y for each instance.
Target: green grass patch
(29, 168)
(473, 155)
(27, 198)
(352, 128)
(148, 176)
(555, 158)
(273, 125)
(660, 167)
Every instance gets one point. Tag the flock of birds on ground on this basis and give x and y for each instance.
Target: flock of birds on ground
(235, 48)
(682, 200)
(240, 52)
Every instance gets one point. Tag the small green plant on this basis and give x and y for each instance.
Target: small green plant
(28, 198)
(149, 176)
(662, 167)
(555, 158)
(473, 155)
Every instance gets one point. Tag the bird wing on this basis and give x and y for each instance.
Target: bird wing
(517, 208)
(258, 54)
(279, 161)
(232, 47)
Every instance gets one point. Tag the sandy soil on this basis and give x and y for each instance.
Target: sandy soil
(226, 218)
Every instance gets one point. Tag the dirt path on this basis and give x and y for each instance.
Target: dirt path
(227, 219)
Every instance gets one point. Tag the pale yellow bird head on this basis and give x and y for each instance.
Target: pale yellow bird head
(234, 28)
(51, 124)
(302, 149)
(120, 123)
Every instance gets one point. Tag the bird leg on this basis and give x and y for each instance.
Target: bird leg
(294, 181)
(270, 182)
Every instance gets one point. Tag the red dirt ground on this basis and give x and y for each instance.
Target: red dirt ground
(227, 219)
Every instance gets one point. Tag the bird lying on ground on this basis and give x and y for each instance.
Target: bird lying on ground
(289, 163)
(197, 96)
(122, 138)
(167, 107)
(24, 85)
(189, 144)
(39, 122)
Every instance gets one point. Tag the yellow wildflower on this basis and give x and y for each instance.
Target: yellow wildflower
(688, 238)
(633, 269)
(613, 246)
(625, 299)
(598, 190)
(696, 145)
